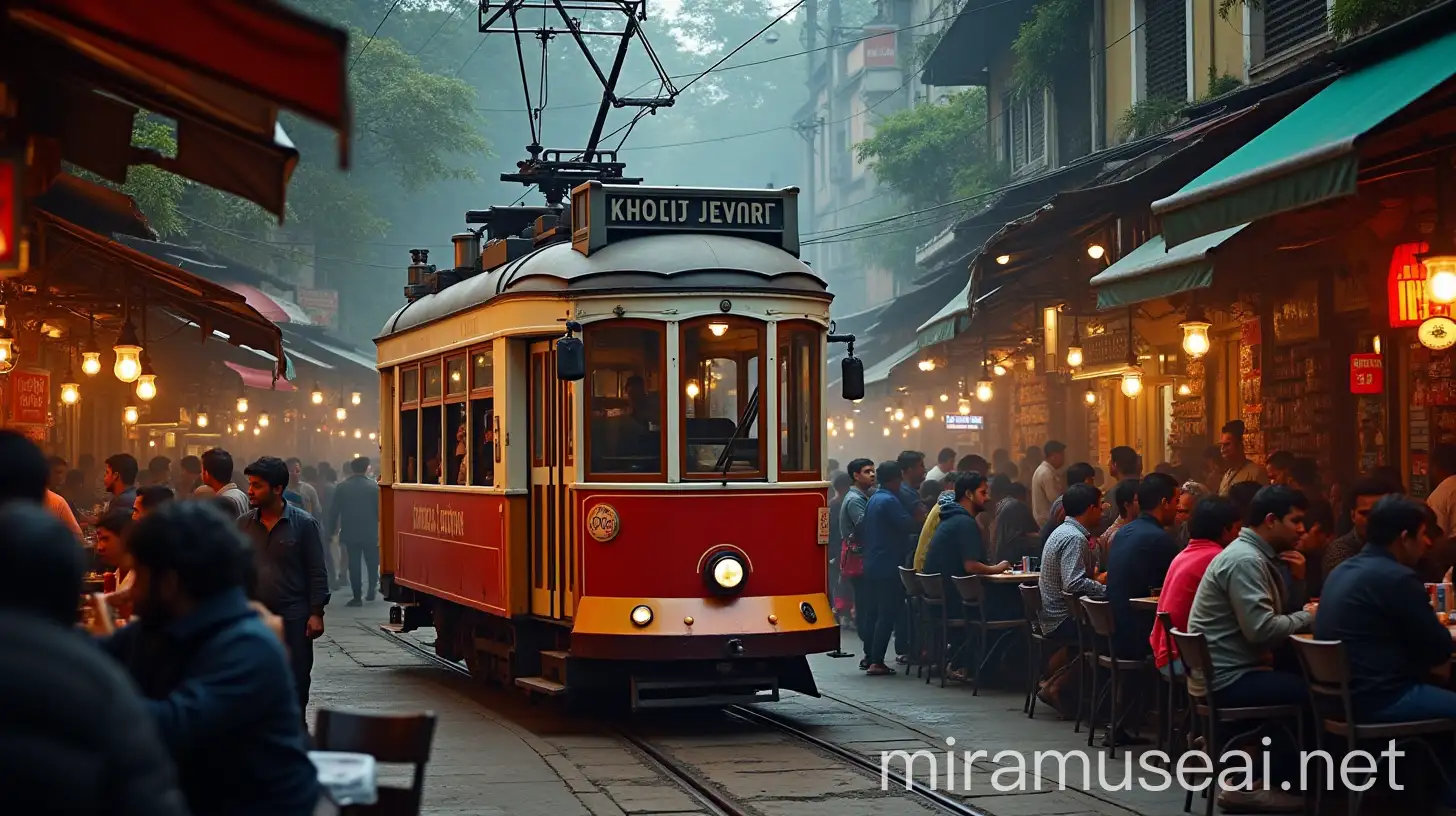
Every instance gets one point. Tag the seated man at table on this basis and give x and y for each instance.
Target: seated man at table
(957, 549)
(1376, 604)
(1067, 567)
(1140, 562)
(1214, 525)
(216, 681)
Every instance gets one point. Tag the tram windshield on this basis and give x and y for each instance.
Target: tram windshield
(722, 360)
(624, 400)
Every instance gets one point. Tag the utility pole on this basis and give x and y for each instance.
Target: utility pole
(811, 143)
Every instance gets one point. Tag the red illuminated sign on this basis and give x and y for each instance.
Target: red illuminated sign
(30, 397)
(879, 49)
(1367, 374)
(10, 213)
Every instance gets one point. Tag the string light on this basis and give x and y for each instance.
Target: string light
(263, 420)
(316, 396)
(146, 387)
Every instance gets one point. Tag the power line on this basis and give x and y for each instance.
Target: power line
(441, 27)
(275, 248)
(370, 41)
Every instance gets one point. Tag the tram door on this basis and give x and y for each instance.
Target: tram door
(553, 565)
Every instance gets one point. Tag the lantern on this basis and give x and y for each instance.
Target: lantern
(356, 398)
(1090, 397)
(263, 420)
(1195, 337)
(849, 425)
(90, 363)
(930, 412)
(8, 351)
(1132, 382)
(70, 389)
(201, 417)
(242, 425)
(317, 395)
(964, 408)
(1074, 351)
(899, 414)
(358, 434)
(128, 354)
(130, 415)
(984, 390)
(1440, 278)
(341, 413)
(242, 405)
(146, 387)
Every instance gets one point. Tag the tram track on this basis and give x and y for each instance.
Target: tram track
(700, 786)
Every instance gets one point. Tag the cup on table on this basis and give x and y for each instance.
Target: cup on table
(1156, 591)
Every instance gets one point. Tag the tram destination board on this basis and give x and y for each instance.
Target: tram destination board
(604, 214)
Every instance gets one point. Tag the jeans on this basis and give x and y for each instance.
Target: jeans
(1422, 702)
(363, 563)
(1266, 687)
(300, 657)
(885, 601)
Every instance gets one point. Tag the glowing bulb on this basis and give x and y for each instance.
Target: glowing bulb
(1096, 251)
(7, 351)
(1074, 356)
(1440, 278)
(1132, 382)
(1376, 344)
(263, 420)
(1030, 362)
(201, 419)
(1003, 259)
(242, 425)
(849, 425)
(1184, 389)
(692, 389)
(718, 329)
(90, 363)
(130, 415)
(964, 407)
(899, 414)
(887, 430)
(1090, 397)
(357, 397)
(915, 422)
(358, 434)
(1195, 338)
(834, 432)
(373, 436)
(242, 405)
(257, 431)
(128, 355)
(930, 412)
(984, 391)
(999, 370)
(146, 387)
(70, 392)
(829, 424)
(341, 413)
(945, 397)
(317, 395)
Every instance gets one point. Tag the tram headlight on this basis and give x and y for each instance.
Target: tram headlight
(726, 574)
(641, 615)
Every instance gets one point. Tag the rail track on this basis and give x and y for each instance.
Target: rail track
(700, 787)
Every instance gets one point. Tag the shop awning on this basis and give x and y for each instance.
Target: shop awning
(1153, 271)
(1311, 155)
(945, 324)
(879, 372)
(979, 32)
(276, 309)
(259, 378)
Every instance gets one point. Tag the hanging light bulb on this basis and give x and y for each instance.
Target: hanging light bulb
(834, 432)
(1096, 251)
(1184, 389)
(4, 318)
(128, 354)
(8, 351)
(899, 415)
(257, 431)
(964, 407)
(1195, 333)
(887, 430)
(1440, 278)
(999, 370)
(358, 434)
(341, 413)
(316, 396)
(930, 412)
(1003, 259)
(242, 425)
(1090, 397)
(90, 363)
(1074, 351)
(130, 415)
(927, 365)
(718, 328)
(692, 389)
(849, 425)
(945, 397)
(373, 436)
(829, 423)
(242, 405)
(70, 389)
(201, 418)
(146, 387)
(356, 398)
(1132, 382)
(915, 422)
(984, 390)
(263, 420)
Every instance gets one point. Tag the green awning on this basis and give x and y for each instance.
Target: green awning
(952, 319)
(1153, 271)
(879, 372)
(1309, 156)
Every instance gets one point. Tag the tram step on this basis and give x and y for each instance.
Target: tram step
(540, 685)
(553, 665)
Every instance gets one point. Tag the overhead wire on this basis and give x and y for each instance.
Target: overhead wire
(437, 31)
(370, 41)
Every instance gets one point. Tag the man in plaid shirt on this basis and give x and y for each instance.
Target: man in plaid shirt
(1066, 560)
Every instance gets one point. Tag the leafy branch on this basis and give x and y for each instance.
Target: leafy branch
(1056, 33)
(1350, 18)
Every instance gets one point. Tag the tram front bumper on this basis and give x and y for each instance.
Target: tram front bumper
(705, 628)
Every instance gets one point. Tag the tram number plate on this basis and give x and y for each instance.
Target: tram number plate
(824, 526)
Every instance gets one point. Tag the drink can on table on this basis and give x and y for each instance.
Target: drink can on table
(1026, 563)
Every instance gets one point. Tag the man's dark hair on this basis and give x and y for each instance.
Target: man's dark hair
(1392, 516)
(1443, 458)
(125, 466)
(1124, 493)
(968, 483)
(932, 488)
(192, 465)
(834, 464)
(293, 460)
(1274, 500)
(1211, 517)
(1079, 473)
(909, 459)
(194, 541)
(1127, 460)
(1282, 459)
(856, 465)
(1318, 513)
(1032, 452)
(1235, 428)
(973, 461)
(153, 496)
(24, 473)
(1053, 447)
(56, 461)
(1079, 498)
(1000, 487)
(888, 473)
(946, 455)
(841, 483)
(1369, 487)
(271, 470)
(159, 464)
(116, 521)
(309, 473)
(361, 465)
(1154, 489)
(1242, 495)
(218, 464)
(1305, 471)
(1019, 492)
(46, 560)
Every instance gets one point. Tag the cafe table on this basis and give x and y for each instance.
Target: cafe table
(1149, 604)
(1012, 578)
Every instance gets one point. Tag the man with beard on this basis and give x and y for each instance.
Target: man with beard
(293, 579)
(215, 679)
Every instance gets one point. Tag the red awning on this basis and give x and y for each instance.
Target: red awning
(274, 309)
(260, 378)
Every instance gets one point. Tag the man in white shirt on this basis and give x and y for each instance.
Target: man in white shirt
(1442, 498)
(944, 463)
(1046, 482)
(217, 479)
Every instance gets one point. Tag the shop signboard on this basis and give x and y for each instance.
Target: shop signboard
(1367, 374)
(879, 49)
(321, 306)
(30, 397)
(11, 255)
(960, 422)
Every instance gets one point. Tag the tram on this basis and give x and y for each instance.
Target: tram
(603, 467)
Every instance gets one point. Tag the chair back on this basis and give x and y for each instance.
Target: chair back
(971, 588)
(1099, 614)
(907, 580)
(397, 738)
(1165, 620)
(1327, 673)
(931, 586)
(1193, 651)
(1031, 605)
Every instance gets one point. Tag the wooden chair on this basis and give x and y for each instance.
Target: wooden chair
(1198, 665)
(1104, 626)
(939, 623)
(973, 595)
(913, 613)
(398, 738)
(1036, 641)
(1175, 693)
(1086, 656)
(1327, 672)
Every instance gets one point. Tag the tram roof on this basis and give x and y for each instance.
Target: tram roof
(673, 262)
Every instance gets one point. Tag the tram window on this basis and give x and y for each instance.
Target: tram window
(800, 373)
(431, 448)
(455, 376)
(625, 399)
(721, 359)
(455, 425)
(409, 438)
(433, 382)
(482, 436)
(409, 385)
(482, 369)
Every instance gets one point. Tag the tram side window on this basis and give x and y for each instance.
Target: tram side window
(800, 373)
(409, 438)
(720, 369)
(431, 447)
(482, 432)
(625, 399)
(455, 426)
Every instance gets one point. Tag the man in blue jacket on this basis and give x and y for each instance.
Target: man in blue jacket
(886, 531)
(215, 679)
(354, 516)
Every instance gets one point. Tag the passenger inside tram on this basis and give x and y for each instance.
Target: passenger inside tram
(625, 400)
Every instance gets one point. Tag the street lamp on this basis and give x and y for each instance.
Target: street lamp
(201, 418)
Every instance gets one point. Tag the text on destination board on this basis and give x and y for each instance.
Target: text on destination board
(438, 521)
(637, 211)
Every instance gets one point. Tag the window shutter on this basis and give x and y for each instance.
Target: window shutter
(1288, 23)
(1166, 39)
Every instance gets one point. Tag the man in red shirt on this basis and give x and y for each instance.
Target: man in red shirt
(1215, 523)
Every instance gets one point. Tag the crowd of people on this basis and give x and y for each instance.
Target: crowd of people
(1246, 554)
(182, 689)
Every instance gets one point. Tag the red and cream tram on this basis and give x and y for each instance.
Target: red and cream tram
(640, 506)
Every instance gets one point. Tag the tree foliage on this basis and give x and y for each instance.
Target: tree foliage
(1349, 18)
(932, 154)
(1055, 34)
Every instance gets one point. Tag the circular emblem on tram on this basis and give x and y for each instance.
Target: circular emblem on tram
(1437, 333)
(602, 522)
